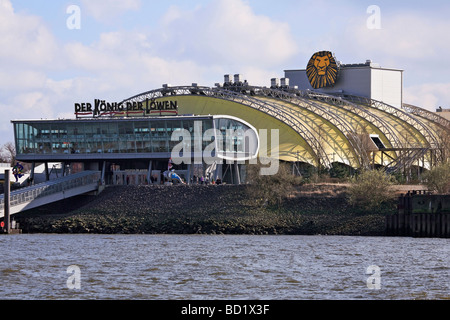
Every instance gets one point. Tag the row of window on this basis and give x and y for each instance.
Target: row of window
(114, 137)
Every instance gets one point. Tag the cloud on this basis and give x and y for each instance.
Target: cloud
(199, 44)
(406, 40)
(413, 42)
(107, 10)
(428, 96)
(28, 52)
(126, 62)
(195, 45)
(24, 39)
(227, 33)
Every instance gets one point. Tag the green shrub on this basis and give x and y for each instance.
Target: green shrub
(370, 189)
(438, 179)
(271, 189)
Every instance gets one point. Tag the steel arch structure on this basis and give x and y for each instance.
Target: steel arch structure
(330, 123)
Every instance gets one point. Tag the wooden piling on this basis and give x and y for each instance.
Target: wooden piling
(418, 225)
(420, 214)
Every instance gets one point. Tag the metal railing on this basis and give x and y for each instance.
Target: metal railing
(49, 188)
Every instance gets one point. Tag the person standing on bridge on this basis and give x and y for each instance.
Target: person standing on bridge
(18, 171)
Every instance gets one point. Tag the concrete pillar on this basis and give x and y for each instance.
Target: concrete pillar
(238, 175)
(218, 172)
(47, 174)
(189, 175)
(230, 166)
(33, 167)
(149, 174)
(103, 173)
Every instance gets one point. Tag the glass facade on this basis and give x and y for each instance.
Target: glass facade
(124, 136)
(236, 140)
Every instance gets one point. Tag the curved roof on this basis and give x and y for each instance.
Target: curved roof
(321, 129)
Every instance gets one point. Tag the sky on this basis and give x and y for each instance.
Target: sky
(55, 53)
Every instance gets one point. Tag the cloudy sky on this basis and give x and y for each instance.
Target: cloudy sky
(52, 56)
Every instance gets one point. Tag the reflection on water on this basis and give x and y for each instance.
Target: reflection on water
(222, 267)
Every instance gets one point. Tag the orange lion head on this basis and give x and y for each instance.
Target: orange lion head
(322, 70)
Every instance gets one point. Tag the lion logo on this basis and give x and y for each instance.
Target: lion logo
(322, 70)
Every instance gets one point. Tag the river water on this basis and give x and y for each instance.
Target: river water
(216, 267)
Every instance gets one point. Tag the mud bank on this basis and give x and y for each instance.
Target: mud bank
(212, 209)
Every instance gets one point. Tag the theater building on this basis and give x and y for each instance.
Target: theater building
(138, 148)
(326, 115)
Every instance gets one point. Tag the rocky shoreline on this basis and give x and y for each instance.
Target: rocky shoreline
(201, 209)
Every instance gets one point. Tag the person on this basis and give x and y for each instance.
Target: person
(18, 171)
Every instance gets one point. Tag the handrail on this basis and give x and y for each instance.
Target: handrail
(48, 188)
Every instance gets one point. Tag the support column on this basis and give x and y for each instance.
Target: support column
(238, 175)
(47, 175)
(149, 174)
(103, 173)
(230, 166)
(188, 178)
(7, 193)
(218, 172)
(33, 166)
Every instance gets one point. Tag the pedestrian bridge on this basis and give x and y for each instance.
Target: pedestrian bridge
(51, 191)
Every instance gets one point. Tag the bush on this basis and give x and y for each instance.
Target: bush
(370, 190)
(271, 189)
(438, 179)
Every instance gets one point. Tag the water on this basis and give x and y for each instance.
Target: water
(161, 267)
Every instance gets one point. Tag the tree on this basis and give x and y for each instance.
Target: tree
(8, 153)
(370, 189)
(438, 178)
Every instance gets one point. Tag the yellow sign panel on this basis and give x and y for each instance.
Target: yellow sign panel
(322, 70)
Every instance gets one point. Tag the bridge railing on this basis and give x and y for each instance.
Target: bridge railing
(49, 188)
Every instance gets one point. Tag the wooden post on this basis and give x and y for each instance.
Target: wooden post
(408, 218)
(446, 224)
(395, 223)
(401, 225)
(423, 227)
(433, 225)
(387, 223)
(7, 191)
(443, 224)
(416, 225)
(428, 224)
